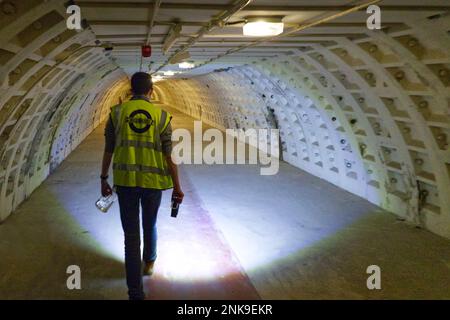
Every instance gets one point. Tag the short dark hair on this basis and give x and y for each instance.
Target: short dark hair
(141, 83)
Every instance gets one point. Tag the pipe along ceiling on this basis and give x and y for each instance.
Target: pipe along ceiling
(365, 110)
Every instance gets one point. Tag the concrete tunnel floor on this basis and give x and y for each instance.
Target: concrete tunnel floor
(239, 235)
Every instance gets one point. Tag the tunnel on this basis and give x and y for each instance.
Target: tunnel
(362, 113)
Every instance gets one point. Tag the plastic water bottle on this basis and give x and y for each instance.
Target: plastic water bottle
(104, 203)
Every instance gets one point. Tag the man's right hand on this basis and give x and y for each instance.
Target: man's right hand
(106, 188)
(178, 194)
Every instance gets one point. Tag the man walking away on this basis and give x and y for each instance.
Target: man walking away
(138, 135)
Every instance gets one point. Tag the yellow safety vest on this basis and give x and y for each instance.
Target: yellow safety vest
(138, 158)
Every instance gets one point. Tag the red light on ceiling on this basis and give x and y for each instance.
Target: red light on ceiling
(146, 51)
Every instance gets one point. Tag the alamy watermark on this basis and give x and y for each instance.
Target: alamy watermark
(234, 146)
(73, 22)
(73, 281)
(374, 20)
(263, 144)
(374, 280)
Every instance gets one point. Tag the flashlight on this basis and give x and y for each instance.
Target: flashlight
(175, 206)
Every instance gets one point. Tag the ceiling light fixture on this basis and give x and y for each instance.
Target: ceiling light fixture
(263, 27)
(169, 73)
(186, 65)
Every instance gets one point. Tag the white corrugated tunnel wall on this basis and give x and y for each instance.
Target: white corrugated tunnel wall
(56, 87)
(370, 116)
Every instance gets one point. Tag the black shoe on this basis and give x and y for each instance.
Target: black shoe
(148, 268)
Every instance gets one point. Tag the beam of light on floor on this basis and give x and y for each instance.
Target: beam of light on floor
(192, 248)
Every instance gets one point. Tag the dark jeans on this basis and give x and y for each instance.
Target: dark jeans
(129, 199)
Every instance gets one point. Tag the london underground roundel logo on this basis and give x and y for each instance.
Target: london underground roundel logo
(140, 121)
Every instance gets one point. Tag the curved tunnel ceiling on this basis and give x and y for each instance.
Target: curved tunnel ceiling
(368, 111)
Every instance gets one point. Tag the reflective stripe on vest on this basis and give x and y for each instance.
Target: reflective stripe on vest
(140, 168)
(139, 144)
(138, 158)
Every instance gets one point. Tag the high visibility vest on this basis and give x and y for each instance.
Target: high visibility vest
(138, 158)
